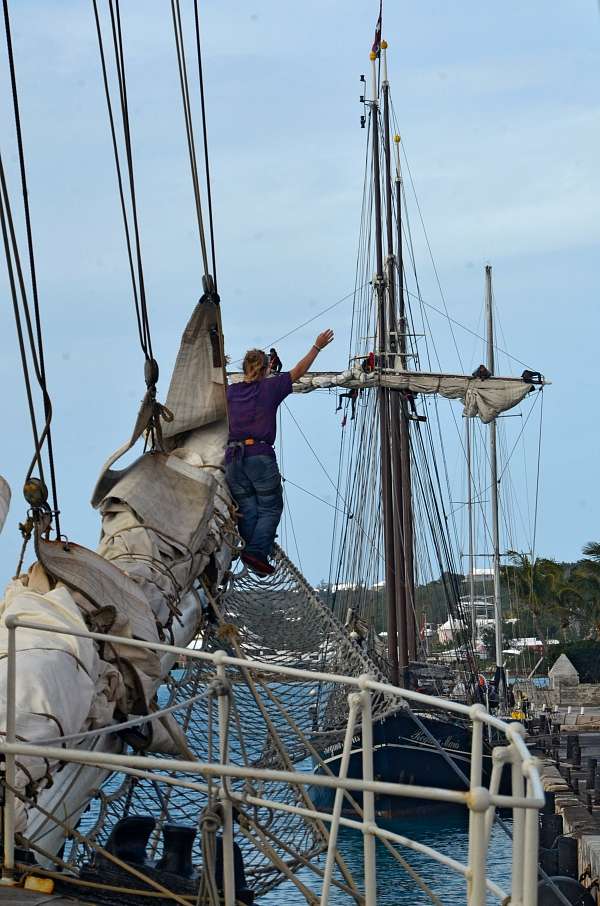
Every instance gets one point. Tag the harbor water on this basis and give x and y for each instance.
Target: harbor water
(447, 833)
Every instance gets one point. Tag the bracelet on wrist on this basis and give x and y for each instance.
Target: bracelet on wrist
(318, 348)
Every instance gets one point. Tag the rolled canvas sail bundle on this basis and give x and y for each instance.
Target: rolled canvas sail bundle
(485, 399)
(166, 521)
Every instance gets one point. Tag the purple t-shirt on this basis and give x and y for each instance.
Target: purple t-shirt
(253, 411)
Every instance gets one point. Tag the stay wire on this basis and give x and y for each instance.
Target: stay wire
(120, 57)
(537, 483)
(316, 497)
(37, 354)
(115, 145)
(289, 509)
(189, 126)
(304, 323)
(4, 217)
(205, 141)
(117, 36)
(469, 330)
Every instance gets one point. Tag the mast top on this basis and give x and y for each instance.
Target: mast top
(374, 92)
(397, 141)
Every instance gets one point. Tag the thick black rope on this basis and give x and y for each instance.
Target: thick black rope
(37, 351)
(119, 176)
(134, 258)
(4, 217)
(120, 61)
(205, 141)
(189, 126)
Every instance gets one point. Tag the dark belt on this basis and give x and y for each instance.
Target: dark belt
(239, 446)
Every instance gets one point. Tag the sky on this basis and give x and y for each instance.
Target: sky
(498, 107)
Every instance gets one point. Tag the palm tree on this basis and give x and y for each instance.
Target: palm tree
(592, 550)
(540, 587)
(586, 578)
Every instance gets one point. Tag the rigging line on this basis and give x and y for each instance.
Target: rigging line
(310, 320)
(473, 333)
(4, 209)
(487, 487)
(358, 288)
(189, 127)
(119, 179)
(316, 497)
(313, 451)
(39, 362)
(418, 296)
(328, 476)
(523, 426)
(205, 140)
(289, 509)
(435, 270)
(537, 484)
(120, 65)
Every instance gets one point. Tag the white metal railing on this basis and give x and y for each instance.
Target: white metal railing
(525, 800)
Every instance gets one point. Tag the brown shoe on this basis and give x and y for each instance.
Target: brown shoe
(258, 566)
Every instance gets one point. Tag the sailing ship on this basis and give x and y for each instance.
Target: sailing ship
(93, 636)
(389, 435)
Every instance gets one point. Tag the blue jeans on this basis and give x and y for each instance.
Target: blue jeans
(255, 485)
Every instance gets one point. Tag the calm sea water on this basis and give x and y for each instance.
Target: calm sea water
(446, 833)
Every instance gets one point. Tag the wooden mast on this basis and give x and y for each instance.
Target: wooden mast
(400, 493)
(384, 396)
(403, 427)
(501, 686)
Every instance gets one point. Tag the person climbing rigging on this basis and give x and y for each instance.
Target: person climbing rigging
(352, 395)
(250, 464)
(275, 363)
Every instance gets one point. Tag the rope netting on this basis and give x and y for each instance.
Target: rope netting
(274, 722)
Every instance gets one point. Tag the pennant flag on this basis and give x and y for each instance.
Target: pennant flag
(377, 42)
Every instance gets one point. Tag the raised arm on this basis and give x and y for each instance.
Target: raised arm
(323, 340)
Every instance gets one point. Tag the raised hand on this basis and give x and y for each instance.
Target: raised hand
(324, 339)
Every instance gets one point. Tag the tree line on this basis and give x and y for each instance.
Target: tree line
(548, 598)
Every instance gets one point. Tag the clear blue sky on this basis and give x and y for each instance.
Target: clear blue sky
(499, 112)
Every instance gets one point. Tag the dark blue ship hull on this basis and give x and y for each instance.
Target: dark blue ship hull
(403, 753)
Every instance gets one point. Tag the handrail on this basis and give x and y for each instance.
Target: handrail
(481, 802)
(220, 657)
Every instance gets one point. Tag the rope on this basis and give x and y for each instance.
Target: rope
(137, 278)
(117, 728)
(537, 483)
(205, 142)
(316, 497)
(6, 218)
(37, 351)
(232, 602)
(304, 323)
(210, 822)
(189, 127)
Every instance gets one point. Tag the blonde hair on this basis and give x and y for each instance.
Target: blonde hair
(255, 364)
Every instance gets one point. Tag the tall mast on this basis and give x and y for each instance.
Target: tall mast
(471, 533)
(399, 489)
(383, 397)
(403, 428)
(494, 487)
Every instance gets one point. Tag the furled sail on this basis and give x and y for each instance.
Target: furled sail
(166, 522)
(484, 399)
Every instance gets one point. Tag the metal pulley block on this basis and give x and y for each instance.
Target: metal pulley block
(151, 372)
(36, 493)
